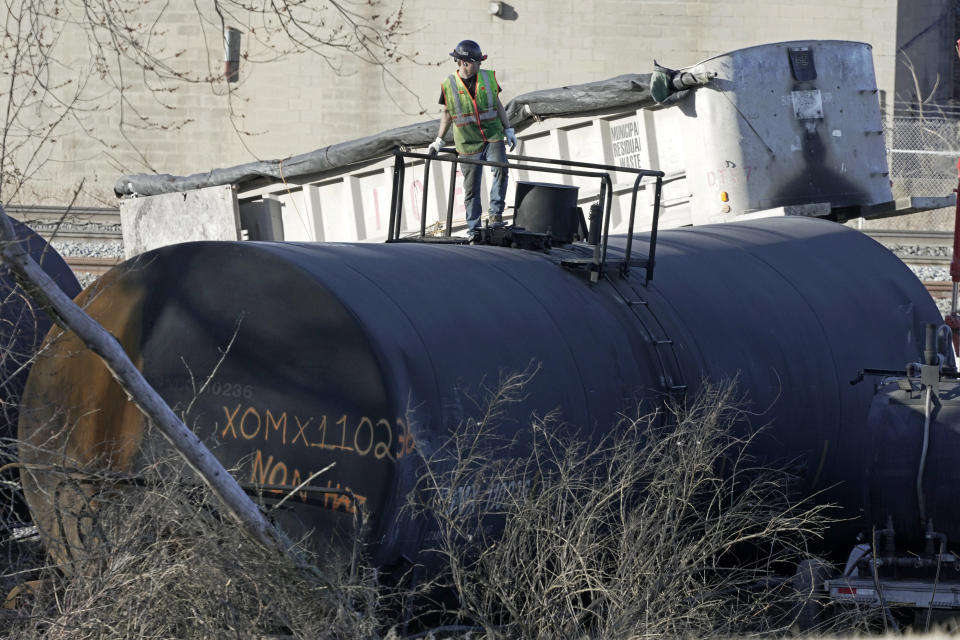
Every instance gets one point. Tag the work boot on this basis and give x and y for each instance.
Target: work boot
(495, 220)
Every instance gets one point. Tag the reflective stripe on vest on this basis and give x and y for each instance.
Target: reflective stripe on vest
(475, 120)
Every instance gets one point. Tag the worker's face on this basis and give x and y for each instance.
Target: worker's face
(468, 68)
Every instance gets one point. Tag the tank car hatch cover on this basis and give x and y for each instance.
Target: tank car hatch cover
(547, 208)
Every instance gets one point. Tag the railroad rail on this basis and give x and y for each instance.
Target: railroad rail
(37, 214)
(49, 234)
(893, 239)
(92, 266)
(97, 226)
(939, 288)
(905, 237)
(925, 261)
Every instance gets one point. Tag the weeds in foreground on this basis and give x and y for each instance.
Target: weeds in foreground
(162, 562)
(665, 527)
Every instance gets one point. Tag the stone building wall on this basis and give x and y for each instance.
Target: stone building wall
(299, 104)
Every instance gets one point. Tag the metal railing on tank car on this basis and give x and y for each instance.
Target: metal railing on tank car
(605, 198)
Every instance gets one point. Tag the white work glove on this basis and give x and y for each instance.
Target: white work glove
(511, 138)
(435, 145)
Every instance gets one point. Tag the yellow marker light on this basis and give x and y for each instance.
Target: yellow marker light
(724, 197)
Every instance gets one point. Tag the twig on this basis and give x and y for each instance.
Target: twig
(293, 491)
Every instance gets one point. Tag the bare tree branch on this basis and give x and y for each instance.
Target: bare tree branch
(70, 67)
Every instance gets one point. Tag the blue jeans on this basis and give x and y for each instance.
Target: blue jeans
(472, 173)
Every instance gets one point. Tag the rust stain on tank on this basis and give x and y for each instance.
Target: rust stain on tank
(78, 420)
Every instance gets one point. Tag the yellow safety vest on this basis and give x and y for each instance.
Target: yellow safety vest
(475, 120)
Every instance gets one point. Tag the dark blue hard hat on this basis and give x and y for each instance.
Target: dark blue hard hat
(468, 50)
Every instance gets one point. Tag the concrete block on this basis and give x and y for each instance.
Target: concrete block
(157, 221)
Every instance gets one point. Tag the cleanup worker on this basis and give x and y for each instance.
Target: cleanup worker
(471, 101)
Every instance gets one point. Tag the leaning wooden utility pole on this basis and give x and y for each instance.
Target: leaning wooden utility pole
(45, 292)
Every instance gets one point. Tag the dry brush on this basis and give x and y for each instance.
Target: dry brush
(665, 527)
